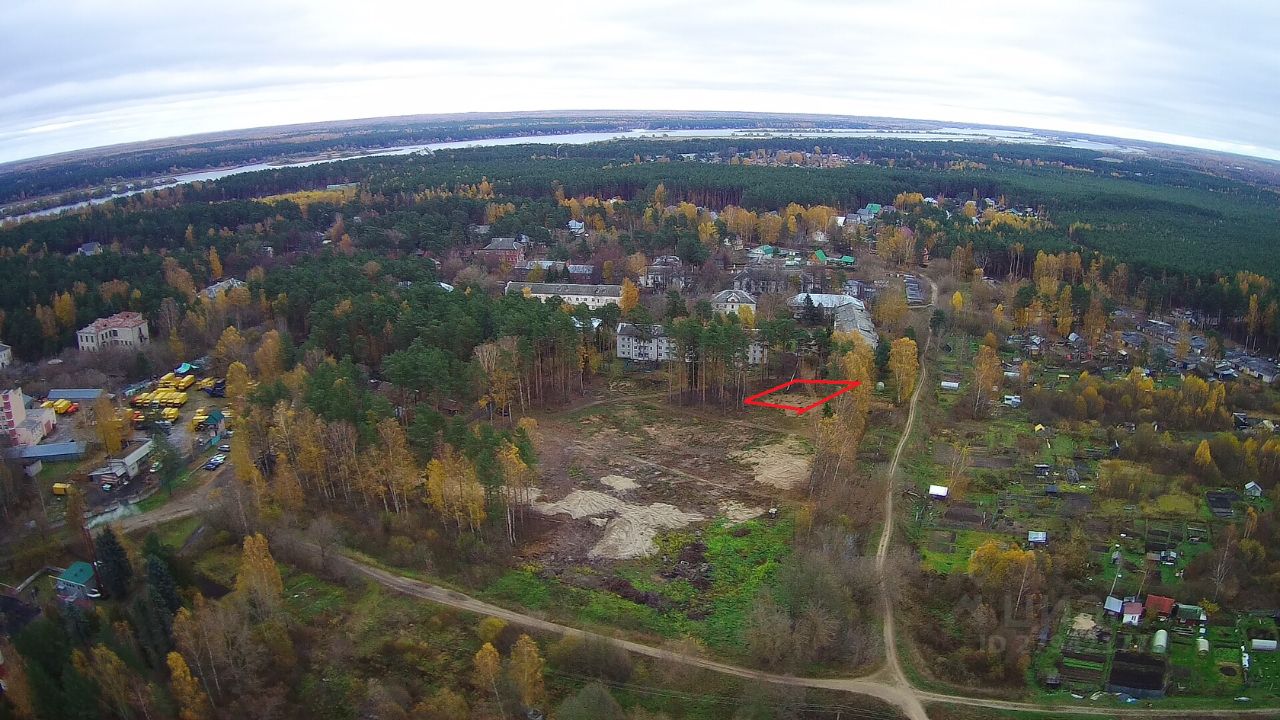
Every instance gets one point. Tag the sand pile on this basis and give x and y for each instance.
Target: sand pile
(736, 512)
(620, 483)
(631, 534)
(581, 503)
(783, 464)
(629, 529)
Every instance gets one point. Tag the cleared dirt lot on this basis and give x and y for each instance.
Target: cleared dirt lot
(615, 475)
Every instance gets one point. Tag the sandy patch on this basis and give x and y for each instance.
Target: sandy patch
(631, 534)
(581, 503)
(736, 512)
(1083, 623)
(783, 465)
(631, 530)
(619, 482)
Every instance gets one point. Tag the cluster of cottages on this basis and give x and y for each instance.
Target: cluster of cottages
(1235, 362)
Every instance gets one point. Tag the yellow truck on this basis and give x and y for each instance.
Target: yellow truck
(61, 488)
(170, 414)
(61, 406)
(186, 382)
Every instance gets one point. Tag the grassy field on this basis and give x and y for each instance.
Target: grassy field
(957, 558)
(743, 559)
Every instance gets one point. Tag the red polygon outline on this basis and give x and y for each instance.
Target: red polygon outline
(801, 409)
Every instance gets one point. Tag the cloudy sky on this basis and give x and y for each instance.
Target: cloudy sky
(83, 73)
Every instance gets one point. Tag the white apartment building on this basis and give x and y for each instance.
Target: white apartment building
(593, 296)
(19, 426)
(651, 342)
(729, 301)
(126, 329)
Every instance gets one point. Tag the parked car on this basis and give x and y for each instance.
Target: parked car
(224, 447)
(108, 487)
(93, 593)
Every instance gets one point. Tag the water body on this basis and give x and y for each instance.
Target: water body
(939, 135)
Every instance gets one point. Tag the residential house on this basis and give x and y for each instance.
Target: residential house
(222, 286)
(89, 248)
(577, 227)
(853, 317)
(643, 342)
(1113, 606)
(1159, 606)
(666, 273)
(6, 356)
(1253, 490)
(593, 296)
(21, 426)
(1131, 614)
(762, 253)
(765, 281)
(730, 301)
(582, 273)
(827, 304)
(77, 582)
(1189, 615)
(651, 343)
(499, 250)
(126, 329)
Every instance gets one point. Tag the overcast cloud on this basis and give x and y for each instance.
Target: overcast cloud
(84, 73)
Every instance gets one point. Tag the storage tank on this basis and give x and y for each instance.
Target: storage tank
(1160, 643)
(1202, 646)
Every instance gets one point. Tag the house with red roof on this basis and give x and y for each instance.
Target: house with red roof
(1159, 606)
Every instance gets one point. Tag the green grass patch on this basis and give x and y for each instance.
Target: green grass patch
(175, 534)
(308, 597)
(743, 558)
(957, 559)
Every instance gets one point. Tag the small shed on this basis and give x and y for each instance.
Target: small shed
(1113, 605)
(949, 385)
(1038, 537)
(1131, 613)
(1253, 490)
(938, 492)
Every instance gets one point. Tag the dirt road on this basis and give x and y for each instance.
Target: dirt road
(183, 506)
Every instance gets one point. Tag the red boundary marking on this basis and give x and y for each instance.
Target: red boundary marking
(846, 386)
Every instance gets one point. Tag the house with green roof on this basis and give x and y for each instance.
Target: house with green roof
(76, 581)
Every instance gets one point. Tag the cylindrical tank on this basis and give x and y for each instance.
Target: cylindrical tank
(1160, 643)
(1202, 646)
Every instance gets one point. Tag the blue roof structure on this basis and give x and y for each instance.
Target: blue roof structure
(76, 394)
(50, 451)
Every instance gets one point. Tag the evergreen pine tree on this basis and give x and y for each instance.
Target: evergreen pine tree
(115, 573)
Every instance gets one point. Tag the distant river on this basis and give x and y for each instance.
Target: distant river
(941, 134)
